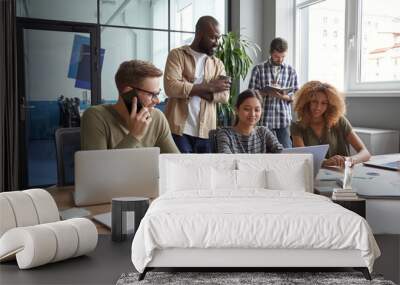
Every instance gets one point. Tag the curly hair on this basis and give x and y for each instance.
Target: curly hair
(336, 105)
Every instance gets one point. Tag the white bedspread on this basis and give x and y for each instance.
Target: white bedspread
(250, 219)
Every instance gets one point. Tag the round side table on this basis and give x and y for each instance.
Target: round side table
(120, 206)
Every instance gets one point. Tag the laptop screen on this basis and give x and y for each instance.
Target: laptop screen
(318, 152)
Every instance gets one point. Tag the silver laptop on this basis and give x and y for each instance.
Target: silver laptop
(318, 152)
(101, 175)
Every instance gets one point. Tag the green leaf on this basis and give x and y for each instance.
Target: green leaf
(233, 50)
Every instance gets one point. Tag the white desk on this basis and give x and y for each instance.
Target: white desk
(380, 188)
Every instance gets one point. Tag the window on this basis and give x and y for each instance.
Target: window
(130, 29)
(60, 10)
(355, 46)
(184, 23)
(184, 13)
(135, 13)
(147, 30)
(321, 52)
(184, 18)
(383, 40)
(123, 44)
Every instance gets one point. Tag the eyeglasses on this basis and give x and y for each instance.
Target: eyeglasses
(154, 95)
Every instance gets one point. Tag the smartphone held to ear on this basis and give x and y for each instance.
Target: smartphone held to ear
(128, 96)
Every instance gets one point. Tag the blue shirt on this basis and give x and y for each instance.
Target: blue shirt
(277, 112)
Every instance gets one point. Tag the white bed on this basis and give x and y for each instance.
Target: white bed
(220, 211)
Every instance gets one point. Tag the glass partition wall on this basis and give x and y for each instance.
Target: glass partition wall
(83, 65)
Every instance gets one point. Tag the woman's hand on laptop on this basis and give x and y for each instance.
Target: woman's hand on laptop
(336, 160)
(138, 122)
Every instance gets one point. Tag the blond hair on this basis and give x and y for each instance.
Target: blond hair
(336, 105)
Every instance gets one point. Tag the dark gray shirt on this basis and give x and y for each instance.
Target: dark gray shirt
(261, 140)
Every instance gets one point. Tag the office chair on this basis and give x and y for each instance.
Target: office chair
(212, 135)
(68, 141)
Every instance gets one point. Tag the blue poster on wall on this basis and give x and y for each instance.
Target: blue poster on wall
(79, 65)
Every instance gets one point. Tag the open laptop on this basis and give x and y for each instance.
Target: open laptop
(318, 152)
(101, 175)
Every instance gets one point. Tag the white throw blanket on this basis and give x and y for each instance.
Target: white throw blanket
(253, 218)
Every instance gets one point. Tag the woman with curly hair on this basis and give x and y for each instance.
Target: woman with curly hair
(245, 136)
(320, 109)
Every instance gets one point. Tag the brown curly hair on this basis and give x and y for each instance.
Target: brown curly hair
(336, 106)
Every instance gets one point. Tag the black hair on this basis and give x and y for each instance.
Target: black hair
(204, 22)
(249, 93)
(279, 45)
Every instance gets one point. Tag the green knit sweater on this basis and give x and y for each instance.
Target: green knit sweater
(103, 128)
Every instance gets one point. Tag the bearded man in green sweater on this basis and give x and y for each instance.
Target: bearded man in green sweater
(113, 126)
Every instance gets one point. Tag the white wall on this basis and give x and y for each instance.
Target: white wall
(247, 19)
(285, 26)
(279, 22)
(261, 21)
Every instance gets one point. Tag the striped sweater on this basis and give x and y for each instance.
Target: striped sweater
(261, 140)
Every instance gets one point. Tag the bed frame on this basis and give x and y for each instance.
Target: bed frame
(242, 259)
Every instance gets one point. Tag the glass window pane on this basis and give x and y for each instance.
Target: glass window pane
(298, 2)
(323, 31)
(181, 39)
(56, 90)
(380, 41)
(135, 13)
(126, 44)
(185, 13)
(61, 10)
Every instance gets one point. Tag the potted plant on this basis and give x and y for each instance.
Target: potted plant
(232, 50)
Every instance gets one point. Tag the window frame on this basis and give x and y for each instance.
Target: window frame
(352, 54)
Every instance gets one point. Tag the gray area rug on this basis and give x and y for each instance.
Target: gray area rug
(229, 278)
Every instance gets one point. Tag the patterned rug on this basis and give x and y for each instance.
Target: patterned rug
(231, 278)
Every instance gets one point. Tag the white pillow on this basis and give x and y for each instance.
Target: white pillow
(251, 178)
(282, 173)
(279, 179)
(188, 177)
(224, 179)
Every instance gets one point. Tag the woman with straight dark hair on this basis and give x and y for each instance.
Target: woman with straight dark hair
(245, 136)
